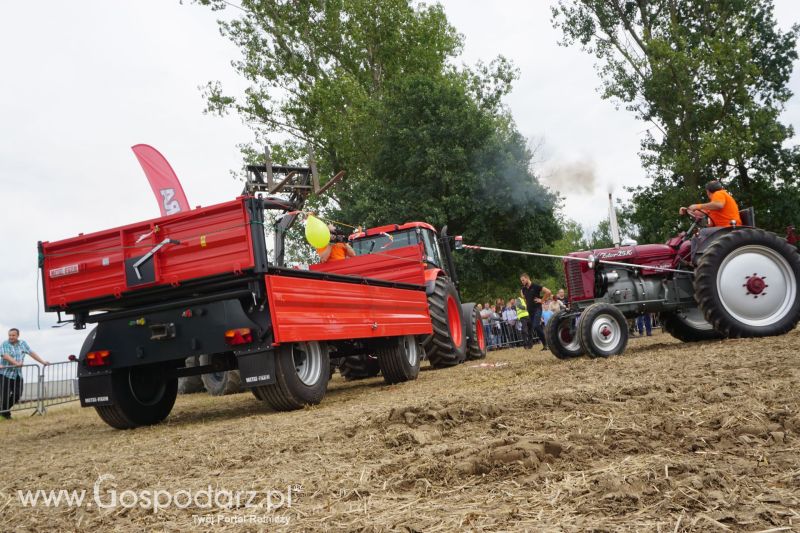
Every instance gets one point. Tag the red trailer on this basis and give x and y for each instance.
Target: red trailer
(200, 282)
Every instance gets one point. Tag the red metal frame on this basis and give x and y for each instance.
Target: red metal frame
(316, 310)
(391, 228)
(401, 265)
(213, 240)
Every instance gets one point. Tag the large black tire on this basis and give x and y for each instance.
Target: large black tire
(746, 284)
(476, 342)
(399, 359)
(143, 396)
(603, 330)
(447, 346)
(221, 383)
(688, 325)
(355, 367)
(561, 336)
(191, 384)
(302, 371)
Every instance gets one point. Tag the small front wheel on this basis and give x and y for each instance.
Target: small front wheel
(603, 330)
(561, 335)
(302, 371)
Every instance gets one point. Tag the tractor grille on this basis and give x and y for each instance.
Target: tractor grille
(574, 279)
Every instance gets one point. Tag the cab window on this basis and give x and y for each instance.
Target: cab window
(381, 243)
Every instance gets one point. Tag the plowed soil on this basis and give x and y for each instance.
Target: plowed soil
(668, 437)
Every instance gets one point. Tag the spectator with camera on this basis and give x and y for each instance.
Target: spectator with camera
(338, 248)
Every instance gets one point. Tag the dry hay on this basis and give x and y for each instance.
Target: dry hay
(668, 437)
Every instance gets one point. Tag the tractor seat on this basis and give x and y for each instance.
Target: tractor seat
(748, 217)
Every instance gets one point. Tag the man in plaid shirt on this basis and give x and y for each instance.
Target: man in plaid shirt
(13, 353)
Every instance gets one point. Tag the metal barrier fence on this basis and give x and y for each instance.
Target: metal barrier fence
(35, 388)
(502, 334)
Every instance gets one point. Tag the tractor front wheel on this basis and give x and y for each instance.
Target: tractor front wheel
(476, 340)
(561, 335)
(603, 330)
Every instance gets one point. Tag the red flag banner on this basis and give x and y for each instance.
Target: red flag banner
(165, 184)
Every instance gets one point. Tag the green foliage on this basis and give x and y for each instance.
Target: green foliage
(711, 77)
(370, 85)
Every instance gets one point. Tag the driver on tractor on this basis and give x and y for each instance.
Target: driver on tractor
(337, 249)
(721, 209)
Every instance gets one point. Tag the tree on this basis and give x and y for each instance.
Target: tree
(369, 85)
(711, 79)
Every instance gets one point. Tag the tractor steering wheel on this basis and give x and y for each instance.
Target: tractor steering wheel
(696, 224)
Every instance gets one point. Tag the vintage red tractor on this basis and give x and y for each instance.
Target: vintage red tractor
(705, 283)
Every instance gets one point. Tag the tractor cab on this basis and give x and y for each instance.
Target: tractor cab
(383, 238)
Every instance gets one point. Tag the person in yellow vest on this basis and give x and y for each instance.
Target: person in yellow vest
(525, 320)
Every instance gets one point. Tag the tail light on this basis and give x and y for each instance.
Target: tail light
(98, 358)
(238, 336)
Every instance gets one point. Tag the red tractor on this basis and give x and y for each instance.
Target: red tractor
(705, 283)
(457, 330)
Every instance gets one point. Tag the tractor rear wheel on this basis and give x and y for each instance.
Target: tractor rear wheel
(302, 371)
(447, 345)
(220, 383)
(688, 325)
(143, 396)
(746, 284)
(561, 335)
(399, 359)
(476, 341)
(355, 367)
(603, 330)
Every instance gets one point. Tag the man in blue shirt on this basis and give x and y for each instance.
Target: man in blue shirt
(13, 352)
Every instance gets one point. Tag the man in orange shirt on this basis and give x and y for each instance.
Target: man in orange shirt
(335, 251)
(722, 209)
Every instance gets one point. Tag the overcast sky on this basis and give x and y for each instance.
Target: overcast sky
(83, 81)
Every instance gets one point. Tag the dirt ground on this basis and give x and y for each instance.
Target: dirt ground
(668, 437)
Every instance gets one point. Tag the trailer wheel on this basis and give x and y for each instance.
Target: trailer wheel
(143, 396)
(603, 330)
(447, 345)
(561, 336)
(476, 341)
(191, 384)
(746, 284)
(399, 359)
(355, 367)
(221, 383)
(302, 371)
(688, 325)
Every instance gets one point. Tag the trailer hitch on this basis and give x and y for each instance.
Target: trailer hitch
(150, 254)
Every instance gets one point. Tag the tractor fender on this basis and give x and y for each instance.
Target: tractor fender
(430, 279)
(705, 238)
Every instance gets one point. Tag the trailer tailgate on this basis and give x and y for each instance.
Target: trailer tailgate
(203, 242)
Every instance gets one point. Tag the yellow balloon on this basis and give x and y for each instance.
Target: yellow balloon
(317, 233)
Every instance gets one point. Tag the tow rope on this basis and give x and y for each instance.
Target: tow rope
(590, 259)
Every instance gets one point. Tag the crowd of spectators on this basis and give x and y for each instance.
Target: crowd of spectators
(503, 327)
(503, 321)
